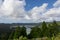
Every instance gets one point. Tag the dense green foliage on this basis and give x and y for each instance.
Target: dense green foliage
(50, 30)
(46, 30)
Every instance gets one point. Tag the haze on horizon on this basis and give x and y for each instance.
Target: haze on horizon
(29, 11)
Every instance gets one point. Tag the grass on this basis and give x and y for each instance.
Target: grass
(46, 38)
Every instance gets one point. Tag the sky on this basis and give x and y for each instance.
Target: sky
(29, 11)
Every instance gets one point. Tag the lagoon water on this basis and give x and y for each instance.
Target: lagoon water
(28, 27)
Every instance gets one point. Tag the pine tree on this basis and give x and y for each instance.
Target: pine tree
(17, 33)
(23, 31)
(11, 35)
(44, 29)
(35, 32)
(55, 28)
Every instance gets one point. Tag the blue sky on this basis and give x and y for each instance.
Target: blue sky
(32, 3)
(29, 11)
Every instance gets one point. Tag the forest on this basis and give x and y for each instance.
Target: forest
(44, 31)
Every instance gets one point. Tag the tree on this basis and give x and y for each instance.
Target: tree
(11, 35)
(20, 31)
(55, 23)
(17, 33)
(25, 38)
(3, 36)
(55, 28)
(44, 29)
(23, 31)
(22, 38)
(35, 32)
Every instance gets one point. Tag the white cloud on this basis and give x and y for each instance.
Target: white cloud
(1, 2)
(43, 14)
(57, 3)
(54, 13)
(10, 7)
(37, 12)
(14, 11)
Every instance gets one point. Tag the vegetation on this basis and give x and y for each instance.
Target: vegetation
(50, 31)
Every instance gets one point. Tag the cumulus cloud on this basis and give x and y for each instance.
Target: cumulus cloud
(12, 7)
(42, 14)
(1, 2)
(14, 11)
(37, 12)
(54, 13)
(57, 3)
